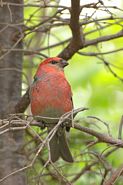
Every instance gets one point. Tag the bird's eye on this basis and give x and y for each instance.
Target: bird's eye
(54, 62)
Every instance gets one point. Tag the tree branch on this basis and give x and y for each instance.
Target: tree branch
(103, 39)
(77, 36)
(101, 137)
(22, 105)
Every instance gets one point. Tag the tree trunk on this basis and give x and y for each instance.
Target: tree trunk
(11, 20)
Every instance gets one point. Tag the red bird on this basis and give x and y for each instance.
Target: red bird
(51, 96)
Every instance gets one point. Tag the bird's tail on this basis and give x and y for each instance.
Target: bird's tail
(59, 147)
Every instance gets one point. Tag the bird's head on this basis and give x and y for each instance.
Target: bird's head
(53, 64)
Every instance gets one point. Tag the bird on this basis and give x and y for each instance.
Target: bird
(50, 98)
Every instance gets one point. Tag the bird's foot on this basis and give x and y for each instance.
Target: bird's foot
(66, 125)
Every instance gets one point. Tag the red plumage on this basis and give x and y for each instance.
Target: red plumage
(51, 97)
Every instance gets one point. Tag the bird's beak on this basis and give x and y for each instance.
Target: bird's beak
(64, 63)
